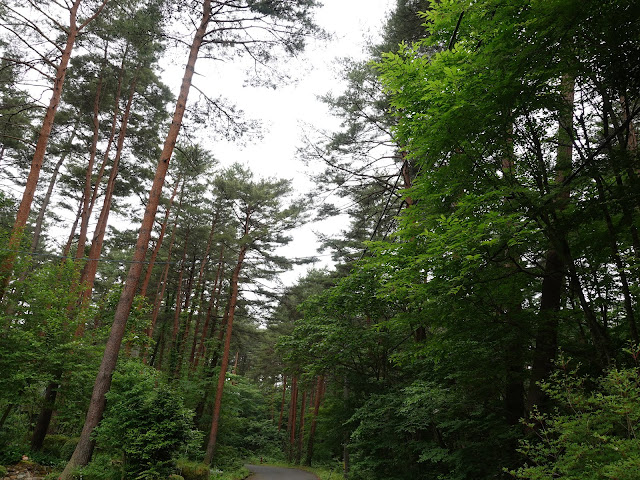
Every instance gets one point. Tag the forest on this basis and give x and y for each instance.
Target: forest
(478, 321)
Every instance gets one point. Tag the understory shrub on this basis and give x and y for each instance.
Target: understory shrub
(102, 467)
(193, 470)
(594, 434)
(146, 425)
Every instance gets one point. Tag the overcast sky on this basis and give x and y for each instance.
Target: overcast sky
(353, 23)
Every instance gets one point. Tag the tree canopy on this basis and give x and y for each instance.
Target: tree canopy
(480, 321)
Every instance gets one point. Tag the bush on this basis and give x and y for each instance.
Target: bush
(594, 438)
(145, 424)
(53, 444)
(102, 467)
(11, 454)
(193, 471)
(3, 471)
(55, 449)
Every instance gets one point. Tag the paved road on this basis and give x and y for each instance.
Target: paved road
(262, 472)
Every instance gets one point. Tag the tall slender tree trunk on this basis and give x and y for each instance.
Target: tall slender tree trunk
(301, 428)
(156, 248)
(514, 344)
(37, 229)
(186, 331)
(198, 335)
(293, 411)
(217, 292)
(213, 434)
(314, 421)
(165, 273)
(41, 146)
(554, 269)
(46, 412)
(200, 292)
(91, 267)
(346, 463)
(72, 232)
(87, 203)
(84, 448)
(235, 363)
(282, 403)
(211, 363)
(5, 414)
(201, 337)
(178, 310)
(615, 253)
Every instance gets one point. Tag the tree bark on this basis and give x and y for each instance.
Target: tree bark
(284, 394)
(156, 248)
(72, 232)
(213, 434)
(89, 198)
(293, 411)
(216, 302)
(41, 145)
(202, 336)
(44, 418)
(37, 229)
(91, 267)
(615, 253)
(552, 284)
(314, 421)
(5, 414)
(84, 449)
(165, 275)
(301, 429)
(200, 293)
(178, 304)
(188, 305)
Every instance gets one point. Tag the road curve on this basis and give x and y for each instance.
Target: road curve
(263, 472)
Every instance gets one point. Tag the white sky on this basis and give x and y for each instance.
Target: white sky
(284, 110)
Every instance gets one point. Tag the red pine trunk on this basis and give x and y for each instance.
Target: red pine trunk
(301, 428)
(38, 156)
(84, 448)
(284, 394)
(213, 434)
(314, 421)
(156, 248)
(293, 410)
(89, 272)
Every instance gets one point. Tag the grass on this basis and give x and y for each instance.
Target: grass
(239, 474)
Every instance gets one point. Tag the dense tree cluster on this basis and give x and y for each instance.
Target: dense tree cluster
(170, 298)
(517, 241)
(481, 321)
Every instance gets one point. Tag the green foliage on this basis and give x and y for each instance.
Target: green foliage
(237, 473)
(11, 453)
(59, 446)
(593, 435)
(245, 427)
(102, 467)
(145, 423)
(193, 470)
(3, 470)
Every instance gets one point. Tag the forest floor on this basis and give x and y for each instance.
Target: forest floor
(26, 470)
(263, 472)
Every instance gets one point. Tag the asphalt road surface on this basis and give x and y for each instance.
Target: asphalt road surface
(262, 472)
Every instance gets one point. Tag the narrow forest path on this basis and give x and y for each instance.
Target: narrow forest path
(263, 472)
